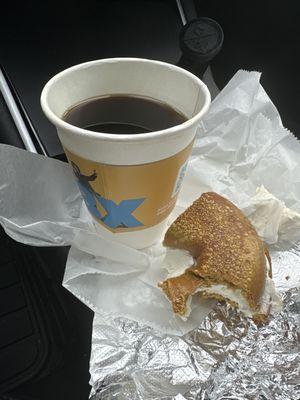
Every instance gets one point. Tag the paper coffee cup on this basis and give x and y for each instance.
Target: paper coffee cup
(129, 182)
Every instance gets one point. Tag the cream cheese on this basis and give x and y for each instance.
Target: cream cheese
(270, 300)
(176, 261)
(230, 294)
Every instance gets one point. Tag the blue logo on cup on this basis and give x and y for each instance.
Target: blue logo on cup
(117, 215)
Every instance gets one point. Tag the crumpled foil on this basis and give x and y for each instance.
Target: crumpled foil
(226, 357)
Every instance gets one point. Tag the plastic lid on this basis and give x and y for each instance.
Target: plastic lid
(201, 39)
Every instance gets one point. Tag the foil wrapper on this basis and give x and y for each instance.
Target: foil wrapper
(226, 357)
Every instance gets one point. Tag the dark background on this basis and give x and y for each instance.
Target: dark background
(39, 39)
(262, 36)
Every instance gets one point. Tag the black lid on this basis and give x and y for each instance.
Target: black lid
(201, 39)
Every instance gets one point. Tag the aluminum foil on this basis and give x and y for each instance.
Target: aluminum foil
(227, 357)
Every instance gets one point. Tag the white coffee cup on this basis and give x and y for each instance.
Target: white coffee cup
(134, 178)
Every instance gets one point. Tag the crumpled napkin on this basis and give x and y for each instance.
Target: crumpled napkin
(240, 145)
(274, 222)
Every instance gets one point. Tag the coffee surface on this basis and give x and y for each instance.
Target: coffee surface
(123, 114)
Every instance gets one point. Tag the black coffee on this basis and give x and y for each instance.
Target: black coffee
(125, 114)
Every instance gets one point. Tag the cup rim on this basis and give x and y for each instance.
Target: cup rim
(60, 123)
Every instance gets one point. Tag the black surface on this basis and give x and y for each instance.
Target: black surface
(262, 36)
(44, 331)
(56, 366)
(35, 329)
(23, 344)
(5, 116)
(8, 131)
(69, 380)
(39, 39)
